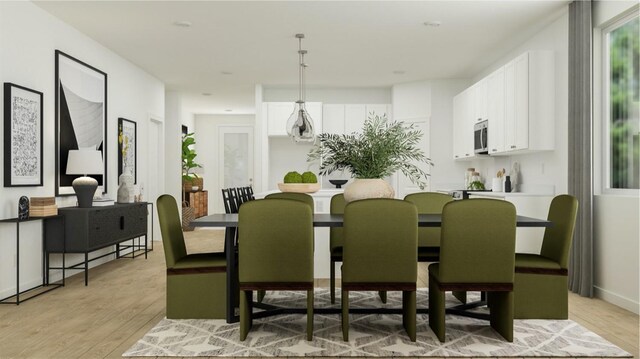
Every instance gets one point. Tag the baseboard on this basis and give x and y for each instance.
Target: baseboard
(616, 299)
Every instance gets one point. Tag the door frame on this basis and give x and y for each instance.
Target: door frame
(251, 142)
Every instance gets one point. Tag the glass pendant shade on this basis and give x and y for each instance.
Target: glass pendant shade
(300, 124)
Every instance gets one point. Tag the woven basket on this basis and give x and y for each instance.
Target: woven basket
(188, 215)
(194, 182)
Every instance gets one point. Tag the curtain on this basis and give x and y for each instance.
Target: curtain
(580, 145)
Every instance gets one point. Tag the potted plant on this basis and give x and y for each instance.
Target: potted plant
(382, 149)
(188, 178)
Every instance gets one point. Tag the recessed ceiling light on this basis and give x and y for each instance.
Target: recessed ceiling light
(433, 23)
(226, 72)
(398, 72)
(228, 110)
(182, 23)
(206, 94)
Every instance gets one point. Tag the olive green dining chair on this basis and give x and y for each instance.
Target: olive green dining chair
(302, 197)
(196, 283)
(429, 237)
(477, 253)
(380, 253)
(336, 241)
(275, 253)
(540, 288)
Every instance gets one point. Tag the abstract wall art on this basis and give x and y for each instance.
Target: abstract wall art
(127, 142)
(81, 117)
(22, 136)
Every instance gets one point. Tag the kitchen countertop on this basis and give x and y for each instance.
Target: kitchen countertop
(509, 194)
(320, 193)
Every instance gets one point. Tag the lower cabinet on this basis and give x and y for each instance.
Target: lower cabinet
(88, 229)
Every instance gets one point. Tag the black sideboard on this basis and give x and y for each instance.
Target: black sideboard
(85, 230)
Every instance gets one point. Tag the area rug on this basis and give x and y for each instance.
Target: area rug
(374, 335)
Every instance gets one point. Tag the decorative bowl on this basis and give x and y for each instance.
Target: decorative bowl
(299, 187)
(338, 182)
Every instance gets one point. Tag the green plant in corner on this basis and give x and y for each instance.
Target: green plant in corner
(382, 149)
(188, 158)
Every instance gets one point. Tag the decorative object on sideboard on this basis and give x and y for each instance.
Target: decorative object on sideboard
(81, 113)
(382, 149)
(338, 182)
(515, 177)
(84, 162)
(22, 136)
(507, 184)
(300, 124)
(23, 208)
(123, 190)
(43, 207)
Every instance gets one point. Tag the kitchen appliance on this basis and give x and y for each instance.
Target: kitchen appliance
(480, 137)
(463, 193)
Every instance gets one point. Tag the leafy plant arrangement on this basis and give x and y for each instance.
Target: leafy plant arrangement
(381, 149)
(188, 158)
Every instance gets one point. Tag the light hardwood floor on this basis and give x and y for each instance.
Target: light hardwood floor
(125, 299)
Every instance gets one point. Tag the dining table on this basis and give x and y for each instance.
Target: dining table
(229, 221)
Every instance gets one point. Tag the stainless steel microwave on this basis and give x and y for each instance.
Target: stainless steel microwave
(480, 137)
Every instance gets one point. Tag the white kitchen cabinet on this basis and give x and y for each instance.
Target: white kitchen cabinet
(354, 117)
(529, 103)
(479, 99)
(495, 110)
(463, 121)
(346, 119)
(518, 100)
(278, 114)
(333, 119)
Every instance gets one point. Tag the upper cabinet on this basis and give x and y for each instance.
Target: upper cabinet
(463, 120)
(278, 114)
(529, 103)
(496, 110)
(346, 119)
(518, 102)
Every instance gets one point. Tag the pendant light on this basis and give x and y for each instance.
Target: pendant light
(300, 124)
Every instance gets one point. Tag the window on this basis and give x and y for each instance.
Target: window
(621, 103)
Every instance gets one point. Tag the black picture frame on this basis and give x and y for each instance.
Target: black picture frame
(23, 138)
(125, 127)
(81, 104)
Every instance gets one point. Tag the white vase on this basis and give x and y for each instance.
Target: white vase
(127, 179)
(362, 188)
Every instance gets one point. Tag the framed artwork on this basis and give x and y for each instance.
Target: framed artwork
(81, 117)
(22, 136)
(185, 130)
(127, 148)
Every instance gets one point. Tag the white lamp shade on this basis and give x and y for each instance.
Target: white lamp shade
(84, 162)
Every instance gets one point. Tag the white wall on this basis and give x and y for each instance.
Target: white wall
(446, 173)
(29, 37)
(173, 121)
(616, 225)
(207, 147)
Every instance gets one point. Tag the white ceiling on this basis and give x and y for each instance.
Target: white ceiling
(350, 43)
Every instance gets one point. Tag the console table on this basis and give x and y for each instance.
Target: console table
(46, 221)
(84, 230)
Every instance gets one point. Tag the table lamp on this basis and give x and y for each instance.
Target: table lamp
(84, 162)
